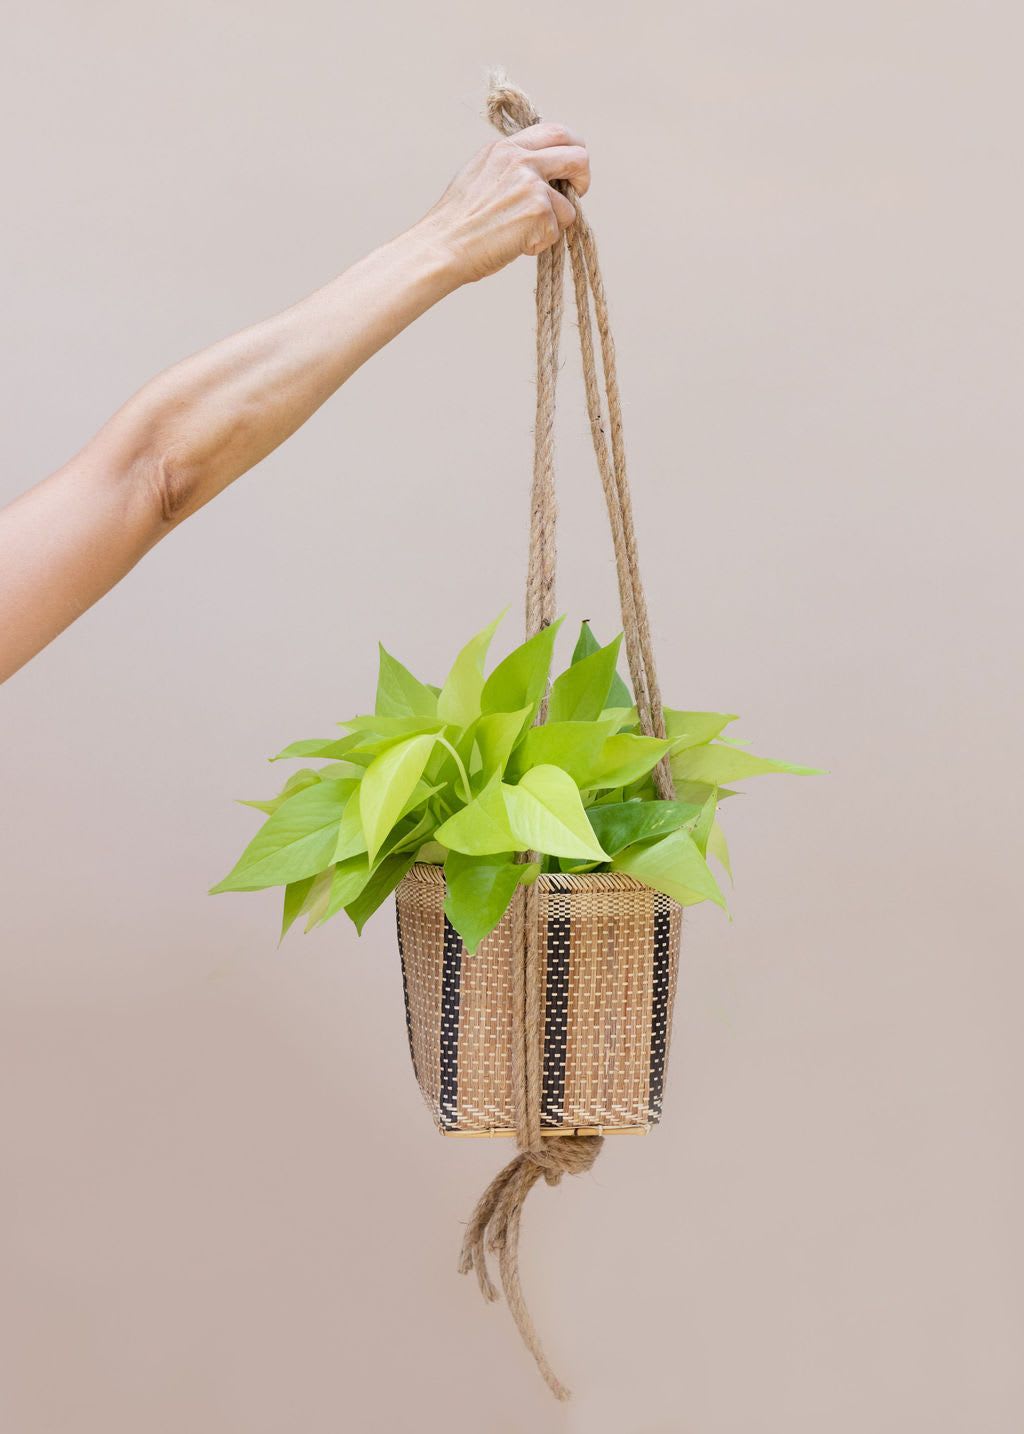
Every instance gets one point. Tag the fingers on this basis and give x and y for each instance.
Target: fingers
(564, 209)
(542, 136)
(564, 161)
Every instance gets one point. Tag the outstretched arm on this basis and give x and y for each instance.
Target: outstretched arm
(196, 428)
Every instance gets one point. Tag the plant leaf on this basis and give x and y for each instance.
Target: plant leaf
(574, 746)
(619, 694)
(351, 837)
(459, 702)
(625, 823)
(369, 728)
(377, 890)
(580, 694)
(296, 841)
(718, 847)
(389, 782)
(496, 735)
(719, 765)
(295, 894)
(520, 680)
(317, 898)
(399, 694)
(479, 889)
(672, 864)
(546, 815)
(701, 829)
(297, 782)
(348, 881)
(319, 747)
(691, 729)
(482, 827)
(623, 759)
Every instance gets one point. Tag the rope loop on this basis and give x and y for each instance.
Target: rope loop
(494, 1225)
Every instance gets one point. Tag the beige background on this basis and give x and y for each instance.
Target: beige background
(223, 1207)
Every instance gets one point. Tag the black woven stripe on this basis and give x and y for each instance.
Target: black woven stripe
(556, 1021)
(405, 990)
(659, 1006)
(451, 977)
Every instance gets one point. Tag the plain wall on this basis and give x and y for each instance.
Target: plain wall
(223, 1208)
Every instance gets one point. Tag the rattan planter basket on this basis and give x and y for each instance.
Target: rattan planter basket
(611, 955)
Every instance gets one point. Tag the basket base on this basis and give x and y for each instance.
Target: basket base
(564, 1130)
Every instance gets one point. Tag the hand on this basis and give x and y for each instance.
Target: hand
(502, 204)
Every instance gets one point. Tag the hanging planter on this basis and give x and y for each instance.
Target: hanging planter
(541, 838)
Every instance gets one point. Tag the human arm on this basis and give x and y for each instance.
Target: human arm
(189, 433)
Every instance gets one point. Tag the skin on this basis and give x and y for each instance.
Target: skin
(196, 428)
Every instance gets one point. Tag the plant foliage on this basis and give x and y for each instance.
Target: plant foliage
(459, 775)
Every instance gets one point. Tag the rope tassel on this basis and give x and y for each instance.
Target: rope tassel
(494, 1226)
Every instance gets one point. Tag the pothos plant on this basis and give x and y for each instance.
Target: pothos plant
(460, 776)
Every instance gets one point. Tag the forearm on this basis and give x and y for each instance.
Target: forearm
(204, 422)
(190, 432)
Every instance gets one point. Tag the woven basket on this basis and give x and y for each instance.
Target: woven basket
(612, 955)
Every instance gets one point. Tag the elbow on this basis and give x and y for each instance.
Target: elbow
(173, 482)
(161, 486)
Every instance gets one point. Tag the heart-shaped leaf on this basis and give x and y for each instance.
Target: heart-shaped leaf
(520, 680)
(459, 702)
(381, 884)
(619, 694)
(623, 759)
(672, 864)
(718, 765)
(296, 841)
(399, 693)
(620, 825)
(482, 827)
(580, 694)
(546, 815)
(574, 746)
(479, 889)
(389, 782)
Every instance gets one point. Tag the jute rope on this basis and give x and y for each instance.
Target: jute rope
(494, 1224)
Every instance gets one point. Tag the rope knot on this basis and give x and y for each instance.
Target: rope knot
(508, 108)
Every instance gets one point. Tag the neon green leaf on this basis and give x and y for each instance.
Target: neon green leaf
(623, 759)
(521, 678)
(495, 735)
(672, 864)
(389, 782)
(377, 890)
(295, 842)
(399, 693)
(619, 694)
(482, 827)
(580, 694)
(546, 815)
(719, 765)
(459, 702)
(574, 746)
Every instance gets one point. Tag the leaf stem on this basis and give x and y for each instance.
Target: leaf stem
(458, 762)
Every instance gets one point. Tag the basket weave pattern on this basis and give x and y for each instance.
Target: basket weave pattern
(612, 955)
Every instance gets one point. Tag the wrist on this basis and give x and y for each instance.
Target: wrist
(439, 255)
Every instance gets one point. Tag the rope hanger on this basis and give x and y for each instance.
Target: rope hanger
(494, 1224)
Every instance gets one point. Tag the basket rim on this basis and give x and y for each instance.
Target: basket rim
(432, 874)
